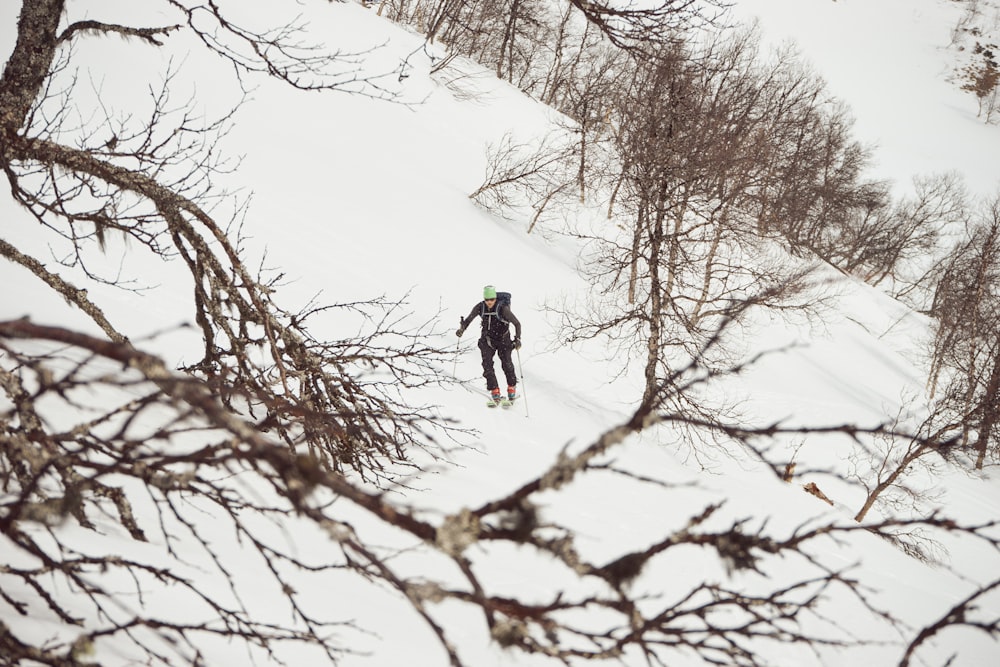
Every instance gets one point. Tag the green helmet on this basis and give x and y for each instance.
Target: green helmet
(489, 292)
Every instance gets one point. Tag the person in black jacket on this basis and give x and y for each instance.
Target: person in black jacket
(496, 320)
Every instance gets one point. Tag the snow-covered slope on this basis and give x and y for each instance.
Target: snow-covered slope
(897, 64)
(355, 197)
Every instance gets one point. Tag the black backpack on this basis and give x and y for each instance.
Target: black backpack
(503, 299)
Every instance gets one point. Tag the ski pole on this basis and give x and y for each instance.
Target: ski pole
(524, 394)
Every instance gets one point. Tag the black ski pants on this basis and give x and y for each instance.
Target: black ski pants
(488, 347)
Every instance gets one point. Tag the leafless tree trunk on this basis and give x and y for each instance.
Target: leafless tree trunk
(990, 411)
(965, 370)
(884, 466)
(688, 135)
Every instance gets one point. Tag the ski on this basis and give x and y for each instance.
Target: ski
(503, 403)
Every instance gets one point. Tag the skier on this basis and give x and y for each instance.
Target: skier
(497, 318)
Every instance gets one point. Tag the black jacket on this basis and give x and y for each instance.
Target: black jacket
(496, 320)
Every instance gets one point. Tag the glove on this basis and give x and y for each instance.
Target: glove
(461, 328)
(517, 343)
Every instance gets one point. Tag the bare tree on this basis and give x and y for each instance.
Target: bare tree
(965, 369)
(884, 468)
(527, 42)
(153, 183)
(521, 177)
(135, 434)
(815, 195)
(636, 28)
(327, 404)
(121, 477)
(815, 185)
(511, 37)
(894, 247)
(581, 82)
(966, 613)
(688, 135)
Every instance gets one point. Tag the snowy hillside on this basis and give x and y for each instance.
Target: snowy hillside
(352, 197)
(897, 63)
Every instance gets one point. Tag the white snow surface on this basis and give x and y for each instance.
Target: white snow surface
(354, 197)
